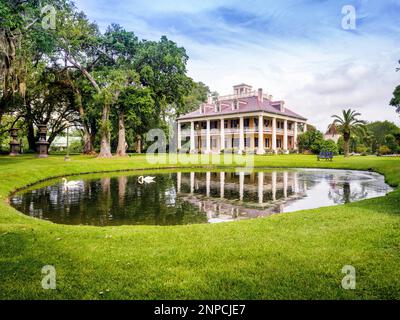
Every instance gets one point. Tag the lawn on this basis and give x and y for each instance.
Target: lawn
(290, 256)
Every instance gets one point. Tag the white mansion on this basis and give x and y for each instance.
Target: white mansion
(246, 121)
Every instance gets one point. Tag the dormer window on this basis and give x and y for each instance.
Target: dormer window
(218, 107)
(235, 105)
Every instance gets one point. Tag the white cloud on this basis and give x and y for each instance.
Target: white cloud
(296, 54)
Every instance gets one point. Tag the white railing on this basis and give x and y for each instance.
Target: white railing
(203, 132)
(232, 131)
(238, 96)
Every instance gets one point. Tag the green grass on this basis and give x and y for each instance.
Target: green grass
(291, 256)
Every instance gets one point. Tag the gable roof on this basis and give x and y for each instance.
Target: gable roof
(332, 130)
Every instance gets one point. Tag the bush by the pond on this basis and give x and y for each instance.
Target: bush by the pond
(329, 146)
(383, 150)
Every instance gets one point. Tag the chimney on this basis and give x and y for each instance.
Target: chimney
(209, 99)
(282, 106)
(201, 108)
(260, 95)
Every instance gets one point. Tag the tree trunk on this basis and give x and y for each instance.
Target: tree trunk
(139, 144)
(346, 139)
(88, 141)
(105, 147)
(31, 136)
(121, 149)
(88, 138)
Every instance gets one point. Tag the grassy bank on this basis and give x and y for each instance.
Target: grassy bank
(298, 255)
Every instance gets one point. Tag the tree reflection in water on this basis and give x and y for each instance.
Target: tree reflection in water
(195, 197)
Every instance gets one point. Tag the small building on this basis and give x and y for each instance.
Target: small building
(332, 133)
(60, 142)
(245, 121)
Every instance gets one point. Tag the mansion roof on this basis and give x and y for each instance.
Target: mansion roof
(246, 102)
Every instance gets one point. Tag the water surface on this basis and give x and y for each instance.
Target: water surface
(194, 197)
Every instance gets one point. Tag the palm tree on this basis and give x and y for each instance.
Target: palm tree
(347, 125)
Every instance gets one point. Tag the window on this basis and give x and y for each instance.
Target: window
(256, 142)
(279, 143)
(267, 142)
(246, 122)
(267, 123)
(256, 123)
(234, 123)
(235, 105)
(214, 124)
(226, 124)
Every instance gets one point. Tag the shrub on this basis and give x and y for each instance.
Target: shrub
(329, 146)
(310, 140)
(384, 150)
(390, 142)
(361, 149)
(76, 147)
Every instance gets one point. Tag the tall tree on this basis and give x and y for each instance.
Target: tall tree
(121, 47)
(348, 124)
(22, 39)
(395, 101)
(136, 106)
(162, 68)
(197, 95)
(378, 130)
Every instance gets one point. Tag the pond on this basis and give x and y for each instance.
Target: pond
(179, 198)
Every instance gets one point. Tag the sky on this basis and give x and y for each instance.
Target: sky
(296, 50)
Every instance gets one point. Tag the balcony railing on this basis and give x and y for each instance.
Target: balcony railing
(243, 95)
(203, 132)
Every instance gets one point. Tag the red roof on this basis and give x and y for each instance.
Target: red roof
(246, 105)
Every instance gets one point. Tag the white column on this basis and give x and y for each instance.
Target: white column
(274, 134)
(296, 183)
(208, 184)
(179, 136)
(260, 187)
(261, 147)
(222, 184)
(178, 182)
(274, 178)
(285, 135)
(222, 132)
(192, 141)
(241, 135)
(285, 184)
(208, 137)
(192, 182)
(241, 185)
(296, 133)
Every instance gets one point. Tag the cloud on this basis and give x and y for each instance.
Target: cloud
(296, 50)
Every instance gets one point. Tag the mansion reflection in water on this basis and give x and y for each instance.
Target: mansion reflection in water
(235, 195)
(196, 197)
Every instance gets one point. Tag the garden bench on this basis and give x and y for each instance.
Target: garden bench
(326, 156)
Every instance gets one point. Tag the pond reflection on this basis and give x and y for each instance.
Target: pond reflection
(195, 197)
